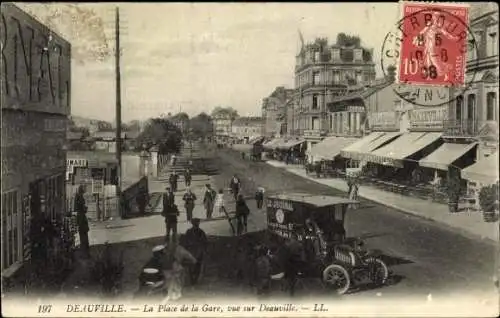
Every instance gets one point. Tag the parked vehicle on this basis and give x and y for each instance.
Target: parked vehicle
(317, 223)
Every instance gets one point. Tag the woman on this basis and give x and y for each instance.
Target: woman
(220, 204)
(176, 257)
(189, 198)
(242, 212)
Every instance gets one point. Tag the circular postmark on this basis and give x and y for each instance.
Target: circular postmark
(280, 216)
(427, 52)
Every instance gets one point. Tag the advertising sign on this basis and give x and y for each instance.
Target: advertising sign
(279, 217)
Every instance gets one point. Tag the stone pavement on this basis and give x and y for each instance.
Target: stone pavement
(467, 223)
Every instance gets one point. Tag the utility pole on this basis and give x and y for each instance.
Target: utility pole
(118, 112)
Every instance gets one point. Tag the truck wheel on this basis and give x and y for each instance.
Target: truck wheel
(377, 271)
(336, 278)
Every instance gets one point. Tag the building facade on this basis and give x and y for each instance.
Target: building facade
(246, 128)
(323, 72)
(274, 111)
(36, 103)
(222, 127)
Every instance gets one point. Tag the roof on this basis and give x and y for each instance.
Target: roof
(365, 93)
(312, 199)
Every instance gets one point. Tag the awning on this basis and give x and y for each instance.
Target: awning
(403, 147)
(368, 144)
(242, 147)
(287, 144)
(484, 171)
(271, 145)
(445, 155)
(255, 139)
(330, 147)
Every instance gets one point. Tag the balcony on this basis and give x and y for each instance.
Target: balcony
(461, 128)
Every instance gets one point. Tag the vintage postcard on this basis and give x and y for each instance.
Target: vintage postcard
(250, 159)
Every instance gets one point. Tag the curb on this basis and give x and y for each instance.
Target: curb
(456, 229)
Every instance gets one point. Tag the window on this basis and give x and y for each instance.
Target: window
(315, 101)
(471, 106)
(336, 54)
(492, 43)
(315, 78)
(315, 123)
(459, 103)
(336, 77)
(11, 229)
(491, 102)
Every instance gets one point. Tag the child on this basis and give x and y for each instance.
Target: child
(259, 197)
(220, 205)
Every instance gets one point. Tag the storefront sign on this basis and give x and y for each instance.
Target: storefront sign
(97, 186)
(37, 64)
(382, 120)
(356, 109)
(432, 117)
(72, 163)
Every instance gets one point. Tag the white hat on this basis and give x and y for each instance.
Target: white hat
(158, 248)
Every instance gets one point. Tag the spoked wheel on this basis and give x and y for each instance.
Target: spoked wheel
(336, 278)
(377, 271)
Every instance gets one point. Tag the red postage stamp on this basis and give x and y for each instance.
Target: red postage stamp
(434, 44)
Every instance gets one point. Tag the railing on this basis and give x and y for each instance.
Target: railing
(461, 128)
(315, 133)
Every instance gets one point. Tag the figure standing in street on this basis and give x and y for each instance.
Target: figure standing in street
(173, 179)
(187, 177)
(259, 197)
(196, 244)
(355, 189)
(293, 262)
(170, 213)
(81, 220)
(209, 200)
(173, 160)
(263, 267)
(235, 186)
(189, 199)
(242, 212)
(220, 204)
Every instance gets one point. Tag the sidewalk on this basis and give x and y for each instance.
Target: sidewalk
(467, 223)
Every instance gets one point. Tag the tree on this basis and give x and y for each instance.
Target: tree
(201, 126)
(161, 132)
(225, 111)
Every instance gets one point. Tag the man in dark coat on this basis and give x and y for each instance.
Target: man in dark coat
(173, 181)
(209, 200)
(187, 177)
(81, 220)
(294, 261)
(170, 213)
(196, 244)
(189, 199)
(242, 212)
(235, 186)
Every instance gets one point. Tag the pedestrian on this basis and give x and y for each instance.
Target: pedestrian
(263, 267)
(187, 177)
(173, 179)
(235, 186)
(220, 204)
(317, 168)
(170, 213)
(196, 243)
(189, 199)
(82, 221)
(349, 186)
(242, 212)
(259, 197)
(355, 189)
(175, 257)
(173, 160)
(209, 200)
(294, 261)
(142, 199)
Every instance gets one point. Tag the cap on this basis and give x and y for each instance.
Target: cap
(158, 248)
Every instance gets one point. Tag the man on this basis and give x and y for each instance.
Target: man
(242, 212)
(294, 262)
(209, 200)
(235, 186)
(142, 199)
(259, 197)
(189, 198)
(170, 213)
(263, 268)
(81, 220)
(196, 244)
(173, 181)
(187, 177)
(173, 160)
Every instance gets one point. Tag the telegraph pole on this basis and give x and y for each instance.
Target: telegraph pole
(118, 111)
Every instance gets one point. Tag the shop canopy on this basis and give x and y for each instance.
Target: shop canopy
(484, 171)
(273, 143)
(255, 139)
(406, 145)
(330, 147)
(368, 144)
(243, 147)
(285, 144)
(445, 155)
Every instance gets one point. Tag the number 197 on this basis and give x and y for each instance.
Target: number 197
(44, 309)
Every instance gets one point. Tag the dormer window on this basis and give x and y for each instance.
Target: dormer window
(335, 54)
(358, 54)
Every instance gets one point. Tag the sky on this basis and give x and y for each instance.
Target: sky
(193, 57)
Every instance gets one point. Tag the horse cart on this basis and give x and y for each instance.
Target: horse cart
(316, 223)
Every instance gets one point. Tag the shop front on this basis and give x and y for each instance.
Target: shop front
(326, 154)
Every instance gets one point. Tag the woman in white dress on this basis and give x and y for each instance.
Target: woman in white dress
(220, 204)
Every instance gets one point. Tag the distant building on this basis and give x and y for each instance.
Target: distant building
(222, 127)
(246, 128)
(106, 140)
(274, 111)
(323, 72)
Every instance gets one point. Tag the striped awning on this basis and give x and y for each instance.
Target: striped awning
(445, 155)
(484, 171)
(406, 145)
(330, 147)
(287, 144)
(364, 146)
